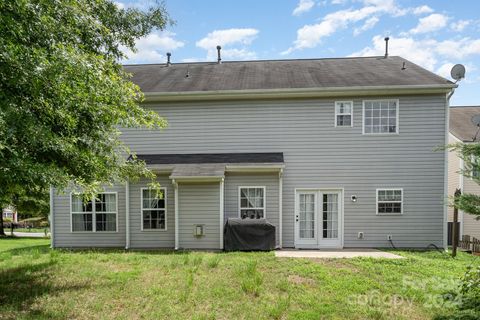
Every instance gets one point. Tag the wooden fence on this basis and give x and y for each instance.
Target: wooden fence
(469, 244)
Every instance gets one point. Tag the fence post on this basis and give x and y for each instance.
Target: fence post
(458, 192)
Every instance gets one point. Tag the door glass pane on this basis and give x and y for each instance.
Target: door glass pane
(307, 216)
(330, 216)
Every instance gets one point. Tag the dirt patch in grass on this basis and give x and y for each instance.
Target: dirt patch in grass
(299, 280)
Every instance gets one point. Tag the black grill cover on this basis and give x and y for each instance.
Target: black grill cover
(249, 235)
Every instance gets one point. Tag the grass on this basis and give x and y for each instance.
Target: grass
(39, 283)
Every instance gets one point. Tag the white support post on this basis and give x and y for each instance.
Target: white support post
(127, 215)
(175, 187)
(52, 220)
(222, 185)
(280, 208)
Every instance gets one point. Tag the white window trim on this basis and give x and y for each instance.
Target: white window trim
(264, 200)
(164, 190)
(93, 212)
(389, 214)
(344, 114)
(397, 126)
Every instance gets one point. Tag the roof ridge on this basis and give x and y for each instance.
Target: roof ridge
(258, 60)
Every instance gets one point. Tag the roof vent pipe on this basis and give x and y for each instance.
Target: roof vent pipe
(168, 59)
(386, 47)
(219, 57)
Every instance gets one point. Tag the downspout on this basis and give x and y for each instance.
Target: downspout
(175, 186)
(52, 221)
(445, 170)
(222, 184)
(280, 209)
(127, 215)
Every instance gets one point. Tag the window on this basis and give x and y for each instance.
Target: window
(475, 166)
(97, 215)
(380, 116)
(252, 202)
(389, 201)
(154, 212)
(343, 114)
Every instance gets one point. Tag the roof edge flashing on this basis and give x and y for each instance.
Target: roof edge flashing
(299, 93)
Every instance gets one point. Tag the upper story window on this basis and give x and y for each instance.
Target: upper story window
(475, 164)
(154, 209)
(380, 116)
(389, 201)
(96, 215)
(343, 114)
(252, 202)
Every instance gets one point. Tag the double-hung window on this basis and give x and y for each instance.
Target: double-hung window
(343, 114)
(154, 210)
(380, 116)
(389, 201)
(252, 202)
(96, 215)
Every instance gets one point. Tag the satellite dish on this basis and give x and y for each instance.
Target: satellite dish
(458, 72)
(476, 120)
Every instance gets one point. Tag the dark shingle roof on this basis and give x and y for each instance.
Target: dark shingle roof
(195, 158)
(461, 125)
(281, 74)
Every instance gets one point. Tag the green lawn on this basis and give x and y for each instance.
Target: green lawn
(38, 283)
(38, 230)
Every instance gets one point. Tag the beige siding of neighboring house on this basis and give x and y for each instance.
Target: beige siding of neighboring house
(471, 226)
(454, 179)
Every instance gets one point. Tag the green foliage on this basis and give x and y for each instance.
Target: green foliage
(467, 296)
(470, 154)
(64, 95)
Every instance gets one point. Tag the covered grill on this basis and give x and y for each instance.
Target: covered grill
(249, 235)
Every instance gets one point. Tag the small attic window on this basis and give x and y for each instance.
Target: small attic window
(343, 114)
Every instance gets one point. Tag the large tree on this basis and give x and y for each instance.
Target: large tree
(64, 94)
(470, 154)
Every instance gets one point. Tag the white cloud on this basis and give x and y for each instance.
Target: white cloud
(341, 2)
(369, 24)
(232, 41)
(310, 36)
(444, 70)
(303, 6)
(459, 25)
(152, 48)
(408, 48)
(422, 9)
(433, 22)
(227, 37)
(436, 56)
(120, 5)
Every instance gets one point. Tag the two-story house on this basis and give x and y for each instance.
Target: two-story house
(333, 152)
(463, 130)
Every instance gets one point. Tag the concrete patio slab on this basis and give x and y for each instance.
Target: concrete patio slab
(336, 254)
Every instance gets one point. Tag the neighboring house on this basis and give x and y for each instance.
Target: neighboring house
(333, 152)
(10, 214)
(462, 129)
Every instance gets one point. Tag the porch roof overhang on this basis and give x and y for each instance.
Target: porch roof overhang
(212, 166)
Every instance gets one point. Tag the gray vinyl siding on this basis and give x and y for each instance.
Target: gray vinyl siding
(199, 203)
(64, 238)
(151, 238)
(318, 155)
(268, 180)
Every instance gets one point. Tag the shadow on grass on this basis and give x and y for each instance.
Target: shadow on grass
(27, 250)
(21, 286)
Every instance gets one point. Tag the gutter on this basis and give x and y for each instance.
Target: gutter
(298, 92)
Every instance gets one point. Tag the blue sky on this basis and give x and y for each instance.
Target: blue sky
(433, 34)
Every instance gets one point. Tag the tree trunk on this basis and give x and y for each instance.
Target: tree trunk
(455, 221)
(2, 232)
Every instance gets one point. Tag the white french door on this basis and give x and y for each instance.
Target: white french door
(318, 219)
